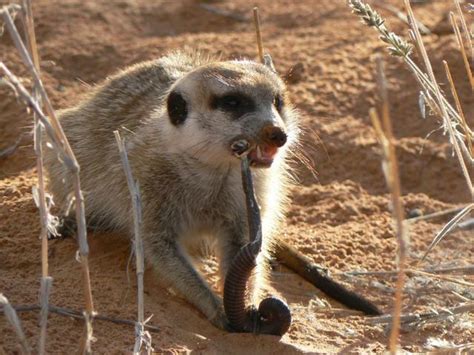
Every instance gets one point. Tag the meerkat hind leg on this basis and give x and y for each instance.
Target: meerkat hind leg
(303, 266)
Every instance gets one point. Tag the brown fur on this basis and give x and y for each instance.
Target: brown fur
(189, 179)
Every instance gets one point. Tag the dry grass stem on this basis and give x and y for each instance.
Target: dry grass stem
(46, 281)
(142, 336)
(399, 47)
(457, 32)
(12, 318)
(448, 228)
(61, 143)
(72, 313)
(390, 168)
(467, 132)
(467, 33)
(256, 19)
(435, 315)
(450, 211)
(463, 270)
(424, 30)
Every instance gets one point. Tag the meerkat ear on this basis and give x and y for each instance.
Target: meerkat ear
(177, 108)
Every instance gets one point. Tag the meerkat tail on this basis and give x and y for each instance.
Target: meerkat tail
(303, 266)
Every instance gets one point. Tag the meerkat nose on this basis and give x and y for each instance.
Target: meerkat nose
(275, 136)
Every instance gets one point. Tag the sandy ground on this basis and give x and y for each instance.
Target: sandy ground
(340, 217)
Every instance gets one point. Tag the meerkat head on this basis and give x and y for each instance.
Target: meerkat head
(217, 104)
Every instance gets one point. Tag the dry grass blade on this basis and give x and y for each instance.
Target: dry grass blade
(13, 319)
(466, 129)
(399, 47)
(46, 281)
(448, 228)
(460, 42)
(72, 313)
(390, 166)
(424, 30)
(450, 211)
(142, 336)
(425, 317)
(464, 270)
(61, 143)
(256, 19)
(465, 29)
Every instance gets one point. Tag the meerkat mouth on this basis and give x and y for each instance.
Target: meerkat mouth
(262, 155)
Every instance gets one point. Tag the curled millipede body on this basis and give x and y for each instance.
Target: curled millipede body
(273, 315)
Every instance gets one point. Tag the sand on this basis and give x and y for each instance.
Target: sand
(340, 215)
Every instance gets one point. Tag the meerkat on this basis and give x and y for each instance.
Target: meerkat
(180, 115)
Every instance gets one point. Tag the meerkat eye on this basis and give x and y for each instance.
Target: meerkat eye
(237, 104)
(278, 102)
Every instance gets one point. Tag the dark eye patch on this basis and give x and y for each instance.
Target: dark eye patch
(235, 103)
(177, 108)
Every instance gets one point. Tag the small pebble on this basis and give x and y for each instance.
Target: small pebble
(415, 212)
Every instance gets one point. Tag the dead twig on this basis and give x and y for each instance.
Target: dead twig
(142, 336)
(68, 312)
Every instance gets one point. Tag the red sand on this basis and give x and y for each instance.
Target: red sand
(341, 218)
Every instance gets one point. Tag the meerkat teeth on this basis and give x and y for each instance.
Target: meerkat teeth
(259, 153)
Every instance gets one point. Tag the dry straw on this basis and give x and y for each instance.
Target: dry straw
(45, 218)
(460, 135)
(390, 169)
(55, 133)
(142, 337)
(454, 123)
(13, 319)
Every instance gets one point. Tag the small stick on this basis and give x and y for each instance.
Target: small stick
(142, 337)
(426, 316)
(13, 319)
(256, 20)
(68, 312)
(454, 23)
(459, 107)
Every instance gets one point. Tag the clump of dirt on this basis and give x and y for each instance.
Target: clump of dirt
(340, 216)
